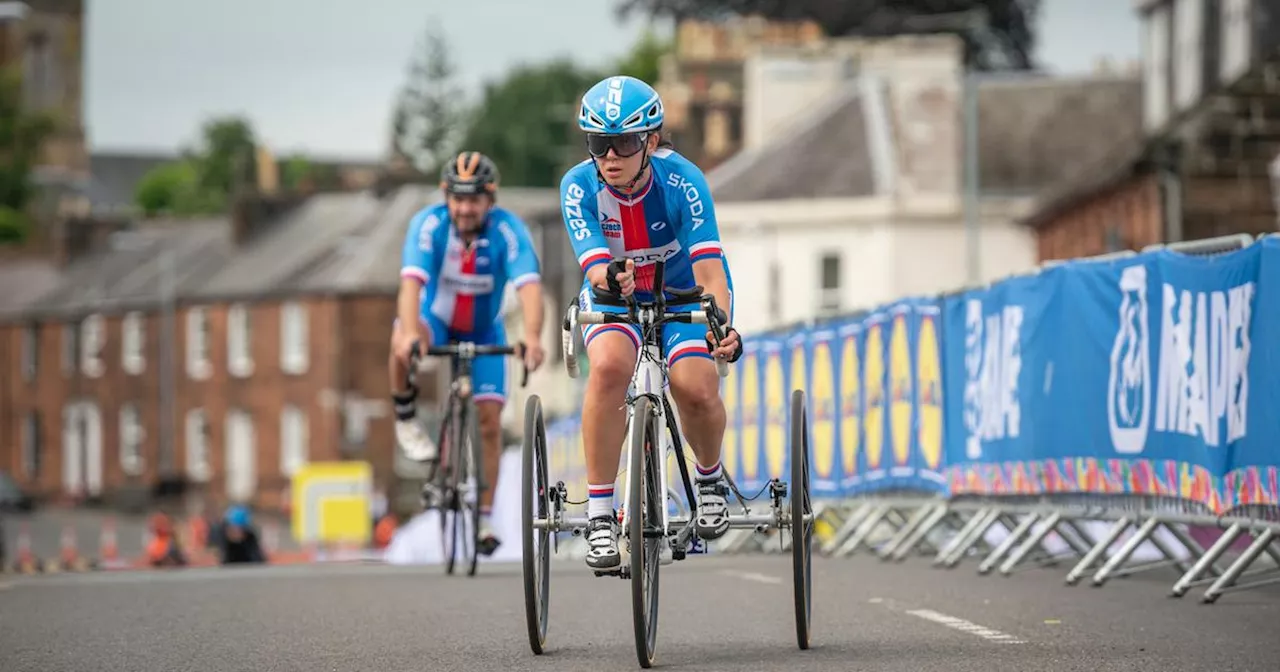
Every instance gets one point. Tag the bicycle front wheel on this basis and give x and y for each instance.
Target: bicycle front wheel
(644, 525)
(535, 506)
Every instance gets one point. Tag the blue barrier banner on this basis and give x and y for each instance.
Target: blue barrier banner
(1251, 478)
(1127, 377)
(826, 447)
(751, 402)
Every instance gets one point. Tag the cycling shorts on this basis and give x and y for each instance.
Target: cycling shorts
(488, 372)
(680, 339)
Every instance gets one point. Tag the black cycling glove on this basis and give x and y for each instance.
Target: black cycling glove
(611, 275)
(737, 345)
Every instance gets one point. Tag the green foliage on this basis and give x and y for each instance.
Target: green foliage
(429, 113)
(22, 134)
(13, 226)
(526, 121)
(205, 179)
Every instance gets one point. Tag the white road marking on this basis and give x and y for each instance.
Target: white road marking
(752, 576)
(965, 626)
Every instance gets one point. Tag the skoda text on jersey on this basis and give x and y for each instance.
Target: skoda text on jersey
(671, 219)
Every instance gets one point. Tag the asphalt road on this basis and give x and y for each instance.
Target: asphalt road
(718, 613)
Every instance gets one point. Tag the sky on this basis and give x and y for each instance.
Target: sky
(320, 76)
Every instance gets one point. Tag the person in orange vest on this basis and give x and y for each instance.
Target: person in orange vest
(164, 549)
(384, 531)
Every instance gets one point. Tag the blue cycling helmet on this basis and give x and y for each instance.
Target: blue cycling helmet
(618, 105)
(238, 515)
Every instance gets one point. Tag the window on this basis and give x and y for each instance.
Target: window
(30, 352)
(829, 288)
(293, 440)
(92, 338)
(32, 450)
(197, 441)
(239, 357)
(40, 73)
(132, 341)
(293, 338)
(198, 365)
(241, 457)
(70, 336)
(132, 435)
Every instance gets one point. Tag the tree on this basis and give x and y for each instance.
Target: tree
(207, 177)
(998, 34)
(22, 134)
(428, 114)
(526, 122)
(643, 61)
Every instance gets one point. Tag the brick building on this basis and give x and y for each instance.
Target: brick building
(1195, 158)
(219, 353)
(44, 39)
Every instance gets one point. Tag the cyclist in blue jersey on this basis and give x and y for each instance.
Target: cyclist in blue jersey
(457, 260)
(633, 202)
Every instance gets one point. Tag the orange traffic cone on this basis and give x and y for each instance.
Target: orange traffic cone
(108, 549)
(26, 562)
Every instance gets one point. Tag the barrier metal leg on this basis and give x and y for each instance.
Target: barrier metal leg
(868, 526)
(1098, 551)
(974, 538)
(960, 537)
(1197, 551)
(904, 532)
(847, 527)
(1228, 579)
(1114, 562)
(1075, 537)
(1032, 542)
(939, 513)
(990, 561)
(1207, 560)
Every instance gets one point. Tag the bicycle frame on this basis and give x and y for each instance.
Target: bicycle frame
(649, 379)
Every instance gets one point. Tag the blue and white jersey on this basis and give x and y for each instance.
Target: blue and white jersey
(671, 219)
(463, 286)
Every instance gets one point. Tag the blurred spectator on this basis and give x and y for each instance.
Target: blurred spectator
(385, 530)
(238, 541)
(164, 549)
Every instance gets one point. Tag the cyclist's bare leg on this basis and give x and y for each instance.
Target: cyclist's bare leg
(491, 448)
(695, 387)
(612, 357)
(413, 439)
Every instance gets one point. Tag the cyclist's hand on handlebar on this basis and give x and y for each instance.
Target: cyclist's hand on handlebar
(402, 342)
(622, 277)
(533, 353)
(729, 347)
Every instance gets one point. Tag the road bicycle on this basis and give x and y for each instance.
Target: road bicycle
(455, 482)
(646, 523)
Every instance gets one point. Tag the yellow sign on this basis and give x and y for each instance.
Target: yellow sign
(873, 382)
(331, 502)
(929, 391)
(901, 395)
(775, 410)
(851, 404)
(750, 419)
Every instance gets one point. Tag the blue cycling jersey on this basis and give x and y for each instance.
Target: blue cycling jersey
(463, 285)
(671, 219)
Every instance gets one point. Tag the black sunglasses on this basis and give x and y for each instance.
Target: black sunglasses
(623, 145)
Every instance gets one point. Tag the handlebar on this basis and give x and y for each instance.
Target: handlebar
(710, 315)
(468, 350)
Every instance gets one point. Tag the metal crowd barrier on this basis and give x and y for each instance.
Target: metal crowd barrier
(1088, 530)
